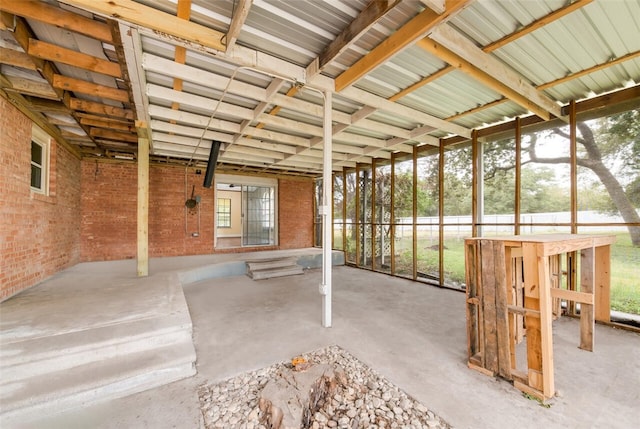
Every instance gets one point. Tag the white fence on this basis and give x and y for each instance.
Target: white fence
(503, 224)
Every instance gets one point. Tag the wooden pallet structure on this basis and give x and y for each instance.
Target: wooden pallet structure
(514, 291)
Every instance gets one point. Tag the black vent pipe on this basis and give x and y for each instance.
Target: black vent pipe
(211, 166)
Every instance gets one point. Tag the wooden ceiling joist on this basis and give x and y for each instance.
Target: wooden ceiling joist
(48, 51)
(368, 17)
(99, 108)
(14, 58)
(108, 124)
(237, 21)
(490, 81)
(153, 19)
(113, 135)
(49, 14)
(539, 23)
(488, 69)
(407, 35)
(82, 86)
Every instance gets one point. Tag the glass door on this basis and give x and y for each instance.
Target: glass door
(258, 215)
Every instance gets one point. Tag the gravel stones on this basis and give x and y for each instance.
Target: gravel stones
(367, 400)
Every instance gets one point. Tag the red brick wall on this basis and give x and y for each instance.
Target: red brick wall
(109, 212)
(39, 234)
(109, 192)
(173, 229)
(295, 213)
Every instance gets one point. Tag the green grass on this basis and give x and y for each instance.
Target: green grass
(625, 275)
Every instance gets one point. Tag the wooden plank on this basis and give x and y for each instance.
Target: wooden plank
(109, 124)
(154, 19)
(142, 228)
(554, 271)
(473, 302)
(451, 39)
(400, 39)
(15, 58)
(31, 87)
(572, 295)
(602, 283)
(532, 302)
(511, 302)
(587, 269)
(546, 319)
(99, 108)
(43, 12)
(48, 51)
(480, 369)
(361, 23)
(113, 135)
(528, 390)
(239, 17)
(519, 286)
(472, 299)
(487, 261)
(502, 315)
(90, 88)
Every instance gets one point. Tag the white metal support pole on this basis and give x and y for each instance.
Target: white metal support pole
(327, 214)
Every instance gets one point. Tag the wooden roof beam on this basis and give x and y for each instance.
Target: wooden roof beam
(76, 85)
(99, 108)
(375, 10)
(15, 58)
(153, 19)
(486, 75)
(237, 21)
(547, 19)
(538, 103)
(405, 36)
(47, 51)
(44, 12)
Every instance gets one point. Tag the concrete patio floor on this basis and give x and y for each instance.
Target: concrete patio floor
(413, 334)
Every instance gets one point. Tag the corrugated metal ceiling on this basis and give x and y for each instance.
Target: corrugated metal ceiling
(270, 122)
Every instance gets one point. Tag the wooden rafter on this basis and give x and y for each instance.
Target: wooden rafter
(153, 19)
(82, 86)
(408, 34)
(553, 83)
(14, 58)
(180, 56)
(482, 76)
(99, 108)
(237, 21)
(365, 19)
(539, 23)
(44, 12)
(489, 70)
(48, 51)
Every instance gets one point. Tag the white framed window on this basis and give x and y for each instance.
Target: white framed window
(40, 142)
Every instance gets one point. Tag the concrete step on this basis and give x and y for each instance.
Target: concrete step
(100, 380)
(30, 357)
(265, 264)
(276, 272)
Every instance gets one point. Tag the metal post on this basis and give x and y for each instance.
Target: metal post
(327, 214)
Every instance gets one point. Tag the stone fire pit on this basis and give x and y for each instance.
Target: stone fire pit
(327, 388)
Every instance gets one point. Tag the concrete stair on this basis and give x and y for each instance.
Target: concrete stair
(274, 267)
(119, 354)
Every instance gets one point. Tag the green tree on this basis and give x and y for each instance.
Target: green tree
(610, 148)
